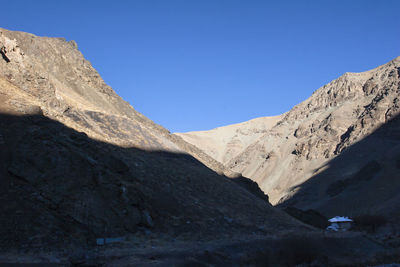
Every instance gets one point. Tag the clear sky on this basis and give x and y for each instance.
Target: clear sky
(199, 64)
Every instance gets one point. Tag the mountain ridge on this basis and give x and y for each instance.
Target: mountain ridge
(223, 143)
(78, 103)
(80, 163)
(336, 116)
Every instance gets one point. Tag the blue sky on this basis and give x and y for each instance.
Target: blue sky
(199, 64)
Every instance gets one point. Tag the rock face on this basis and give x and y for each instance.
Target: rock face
(78, 162)
(352, 120)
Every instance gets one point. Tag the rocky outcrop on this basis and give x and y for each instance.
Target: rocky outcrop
(10, 50)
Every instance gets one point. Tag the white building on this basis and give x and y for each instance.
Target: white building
(339, 223)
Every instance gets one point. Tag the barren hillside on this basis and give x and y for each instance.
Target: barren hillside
(79, 163)
(307, 138)
(225, 143)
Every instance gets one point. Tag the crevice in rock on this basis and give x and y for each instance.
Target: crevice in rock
(4, 56)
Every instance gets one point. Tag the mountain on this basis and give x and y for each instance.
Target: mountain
(86, 180)
(351, 120)
(79, 163)
(225, 143)
(69, 89)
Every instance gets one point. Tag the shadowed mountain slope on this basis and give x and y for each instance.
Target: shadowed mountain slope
(362, 179)
(317, 130)
(54, 75)
(60, 186)
(78, 162)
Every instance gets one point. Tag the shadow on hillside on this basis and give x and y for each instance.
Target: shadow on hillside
(61, 190)
(60, 186)
(364, 178)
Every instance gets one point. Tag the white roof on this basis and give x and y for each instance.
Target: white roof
(340, 219)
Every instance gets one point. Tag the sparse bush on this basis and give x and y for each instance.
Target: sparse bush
(369, 222)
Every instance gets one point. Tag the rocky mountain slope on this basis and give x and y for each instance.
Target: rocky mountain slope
(225, 143)
(313, 136)
(79, 166)
(79, 163)
(69, 89)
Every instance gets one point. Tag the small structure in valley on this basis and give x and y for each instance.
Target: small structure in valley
(339, 223)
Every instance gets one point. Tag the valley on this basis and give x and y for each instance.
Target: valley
(80, 166)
